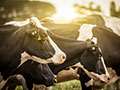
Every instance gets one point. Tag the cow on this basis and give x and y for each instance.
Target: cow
(30, 38)
(109, 31)
(108, 42)
(29, 73)
(13, 82)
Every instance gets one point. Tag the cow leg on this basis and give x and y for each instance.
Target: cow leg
(29, 82)
(14, 81)
(83, 79)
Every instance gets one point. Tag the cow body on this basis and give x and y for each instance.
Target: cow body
(36, 73)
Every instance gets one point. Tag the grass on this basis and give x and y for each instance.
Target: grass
(19, 87)
(68, 85)
(75, 85)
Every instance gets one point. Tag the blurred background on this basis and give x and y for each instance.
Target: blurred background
(57, 9)
(57, 14)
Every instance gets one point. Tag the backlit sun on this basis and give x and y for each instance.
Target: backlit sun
(64, 12)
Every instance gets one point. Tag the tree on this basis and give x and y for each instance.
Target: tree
(22, 9)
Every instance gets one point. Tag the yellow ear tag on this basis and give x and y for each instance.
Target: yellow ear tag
(33, 33)
(39, 38)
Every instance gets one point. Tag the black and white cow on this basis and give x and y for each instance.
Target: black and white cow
(106, 32)
(36, 42)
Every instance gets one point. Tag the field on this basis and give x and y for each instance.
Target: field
(75, 85)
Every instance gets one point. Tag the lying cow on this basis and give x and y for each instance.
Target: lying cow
(31, 72)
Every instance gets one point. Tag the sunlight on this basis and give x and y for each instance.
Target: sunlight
(65, 9)
(104, 4)
(64, 14)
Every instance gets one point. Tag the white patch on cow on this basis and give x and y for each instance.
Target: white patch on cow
(103, 62)
(94, 39)
(38, 23)
(2, 83)
(59, 56)
(25, 57)
(113, 23)
(85, 32)
(18, 23)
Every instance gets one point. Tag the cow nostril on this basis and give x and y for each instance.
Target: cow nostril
(63, 57)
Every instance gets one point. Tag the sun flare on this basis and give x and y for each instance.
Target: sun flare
(64, 12)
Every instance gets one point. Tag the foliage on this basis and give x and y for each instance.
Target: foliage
(113, 11)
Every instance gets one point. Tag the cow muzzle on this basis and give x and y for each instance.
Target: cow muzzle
(58, 58)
